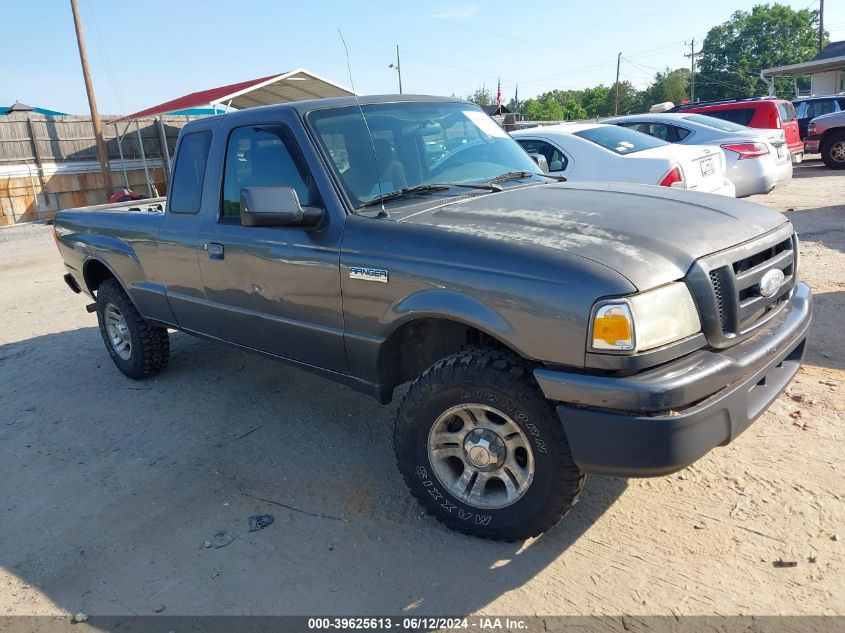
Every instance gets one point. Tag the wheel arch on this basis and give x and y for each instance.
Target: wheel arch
(830, 132)
(95, 271)
(418, 342)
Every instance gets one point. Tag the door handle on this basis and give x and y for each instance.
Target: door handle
(215, 250)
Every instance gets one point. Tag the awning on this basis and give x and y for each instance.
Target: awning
(296, 85)
(807, 68)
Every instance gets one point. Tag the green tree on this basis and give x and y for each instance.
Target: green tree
(631, 100)
(595, 101)
(671, 85)
(557, 105)
(481, 97)
(734, 52)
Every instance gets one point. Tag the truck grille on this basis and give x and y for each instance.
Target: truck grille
(727, 286)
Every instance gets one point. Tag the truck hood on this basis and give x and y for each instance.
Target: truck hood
(651, 235)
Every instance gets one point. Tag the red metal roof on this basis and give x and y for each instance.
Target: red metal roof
(261, 91)
(195, 99)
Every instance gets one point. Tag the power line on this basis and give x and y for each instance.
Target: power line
(706, 79)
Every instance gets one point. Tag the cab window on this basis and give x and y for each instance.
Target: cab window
(188, 175)
(260, 156)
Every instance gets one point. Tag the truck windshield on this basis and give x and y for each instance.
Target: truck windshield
(413, 144)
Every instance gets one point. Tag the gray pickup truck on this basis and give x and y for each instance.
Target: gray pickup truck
(547, 329)
(826, 135)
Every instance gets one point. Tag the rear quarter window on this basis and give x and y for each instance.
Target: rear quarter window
(185, 193)
(787, 112)
(742, 116)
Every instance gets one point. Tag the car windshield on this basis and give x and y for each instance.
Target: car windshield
(409, 145)
(719, 124)
(620, 139)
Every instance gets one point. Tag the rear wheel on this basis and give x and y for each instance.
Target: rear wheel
(833, 150)
(139, 350)
(482, 450)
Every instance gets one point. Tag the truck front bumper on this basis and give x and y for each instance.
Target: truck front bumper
(661, 420)
(811, 144)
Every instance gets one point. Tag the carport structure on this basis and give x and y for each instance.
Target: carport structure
(294, 85)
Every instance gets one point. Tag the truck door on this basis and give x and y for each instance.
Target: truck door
(178, 256)
(274, 289)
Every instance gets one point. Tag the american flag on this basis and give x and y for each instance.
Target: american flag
(499, 94)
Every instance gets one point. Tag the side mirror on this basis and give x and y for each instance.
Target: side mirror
(541, 161)
(276, 206)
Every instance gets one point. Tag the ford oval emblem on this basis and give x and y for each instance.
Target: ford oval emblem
(771, 282)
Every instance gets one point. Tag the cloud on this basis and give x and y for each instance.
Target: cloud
(451, 13)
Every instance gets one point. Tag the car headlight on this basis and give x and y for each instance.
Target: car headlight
(811, 128)
(644, 321)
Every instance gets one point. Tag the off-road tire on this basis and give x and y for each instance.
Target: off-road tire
(502, 380)
(150, 345)
(837, 139)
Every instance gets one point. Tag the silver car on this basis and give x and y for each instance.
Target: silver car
(757, 160)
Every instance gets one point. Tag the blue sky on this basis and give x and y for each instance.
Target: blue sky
(143, 53)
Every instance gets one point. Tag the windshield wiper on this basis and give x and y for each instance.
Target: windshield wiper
(518, 175)
(410, 192)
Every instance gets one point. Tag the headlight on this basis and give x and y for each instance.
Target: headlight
(644, 321)
(811, 128)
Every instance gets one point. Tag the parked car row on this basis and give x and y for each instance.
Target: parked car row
(757, 160)
(808, 108)
(601, 152)
(756, 112)
(822, 123)
(796, 119)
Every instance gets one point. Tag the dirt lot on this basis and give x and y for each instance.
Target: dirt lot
(110, 488)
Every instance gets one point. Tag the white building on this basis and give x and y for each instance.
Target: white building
(826, 71)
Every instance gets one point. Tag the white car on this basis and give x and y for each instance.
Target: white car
(594, 151)
(757, 160)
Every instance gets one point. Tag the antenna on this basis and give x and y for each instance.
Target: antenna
(383, 213)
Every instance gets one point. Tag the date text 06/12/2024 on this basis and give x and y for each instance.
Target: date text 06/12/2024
(417, 623)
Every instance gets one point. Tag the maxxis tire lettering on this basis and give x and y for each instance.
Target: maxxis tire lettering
(499, 379)
(480, 519)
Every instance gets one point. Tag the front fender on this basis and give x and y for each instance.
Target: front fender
(447, 304)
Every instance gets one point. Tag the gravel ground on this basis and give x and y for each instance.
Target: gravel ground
(111, 488)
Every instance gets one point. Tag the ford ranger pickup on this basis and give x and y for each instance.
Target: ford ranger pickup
(547, 329)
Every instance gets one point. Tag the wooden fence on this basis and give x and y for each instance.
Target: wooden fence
(33, 137)
(48, 163)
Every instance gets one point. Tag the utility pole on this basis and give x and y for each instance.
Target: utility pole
(821, 24)
(692, 54)
(616, 101)
(92, 101)
(398, 68)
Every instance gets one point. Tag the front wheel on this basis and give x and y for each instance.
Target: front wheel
(833, 151)
(482, 450)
